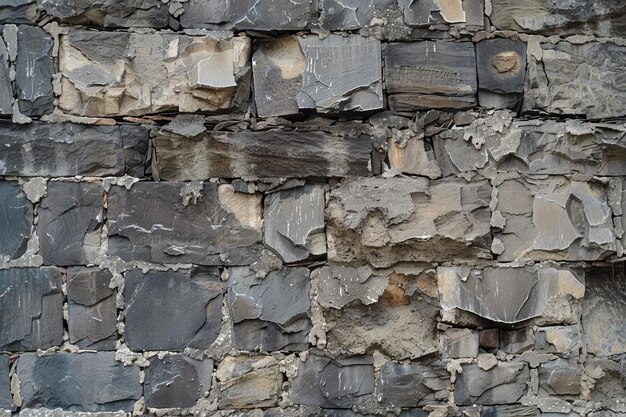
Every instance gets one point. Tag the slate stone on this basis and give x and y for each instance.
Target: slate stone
(78, 382)
(293, 222)
(249, 382)
(270, 313)
(163, 223)
(6, 399)
(176, 381)
(413, 385)
(18, 11)
(504, 384)
(348, 14)
(34, 69)
(31, 308)
(427, 75)
(560, 377)
(436, 12)
(172, 310)
(517, 341)
(501, 66)
(511, 411)
(558, 339)
(333, 383)
(459, 343)
(489, 338)
(6, 89)
(92, 310)
(339, 285)
(411, 155)
(16, 221)
(68, 149)
(70, 221)
(266, 154)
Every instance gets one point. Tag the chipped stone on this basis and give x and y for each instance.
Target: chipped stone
(504, 384)
(34, 69)
(248, 382)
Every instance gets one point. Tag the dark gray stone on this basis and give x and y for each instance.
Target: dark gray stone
(459, 343)
(517, 341)
(6, 400)
(270, 313)
(558, 339)
(171, 310)
(18, 11)
(348, 14)
(511, 411)
(6, 90)
(501, 65)
(67, 149)
(560, 377)
(176, 381)
(16, 221)
(34, 69)
(92, 311)
(504, 384)
(333, 383)
(413, 385)
(31, 308)
(70, 221)
(163, 223)
(78, 382)
(427, 13)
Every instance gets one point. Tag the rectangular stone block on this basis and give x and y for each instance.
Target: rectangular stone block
(413, 385)
(6, 89)
(272, 153)
(248, 382)
(68, 149)
(16, 221)
(501, 65)
(430, 74)
(504, 384)
(119, 73)
(34, 68)
(204, 224)
(6, 399)
(430, 13)
(31, 308)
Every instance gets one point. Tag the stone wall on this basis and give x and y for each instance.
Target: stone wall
(334, 208)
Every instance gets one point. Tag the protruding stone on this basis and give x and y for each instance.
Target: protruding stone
(459, 343)
(504, 384)
(413, 385)
(248, 382)
(16, 221)
(501, 73)
(560, 377)
(34, 69)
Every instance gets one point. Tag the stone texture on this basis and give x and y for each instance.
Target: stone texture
(459, 343)
(501, 66)
(248, 382)
(171, 310)
(31, 308)
(560, 377)
(18, 11)
(427, 75)
(385, 221)
(92, 311)
(176, 381)
(16, 221)
(293, 222)
(411, 155)
(558, 339)
(437, 12)
(517, 341)
(515, 411)
(78, 382)
(333, 383)
(6, 400)
(270, 313)
(67, 149)
(34, 69)
(413, 385)
(176, 223)
(504, 384)
(70, 221)
(339, 285)
(6, 90)
(162, 72)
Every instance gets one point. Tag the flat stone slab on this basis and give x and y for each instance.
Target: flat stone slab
(504, 384)
(413, 385)
(246, 382)
(34, 68)
(501, 65)
(16, 222)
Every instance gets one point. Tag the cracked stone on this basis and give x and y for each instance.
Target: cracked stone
(70, 221)
(459, 343)
(78, 382)
(271, 313)
(412, 157)
(176, 381)
(501, 73)
(413, 385)
(249, 382)
(6, 90)
(6, 400)
(349, 14)
(434, 12)
(172, 310)
(560, 377)
(18, 11)
(558, 339)
(16, 221)
(504, 384)
(34, 68)
(339, 285)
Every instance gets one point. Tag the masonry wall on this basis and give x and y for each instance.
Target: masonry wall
(313, 208)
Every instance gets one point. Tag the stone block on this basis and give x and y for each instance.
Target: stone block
(558, 339)
(489, 338)
(16, 221)
(249, 382)
(560, 377)
(504, 384)
(6, 89)
(6, 399)
(18, 11)
(413, 385)
(501, 66)
(517, 341)
(459, 343)
(34, 68)
(440, 12)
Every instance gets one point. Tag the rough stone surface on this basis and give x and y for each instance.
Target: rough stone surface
(18, 11)
(413, 385)
(429, 12)
(34, 70)
(459, 343)
(501, 66)
(248, 382)
(560, 377)
(6, 400)
(6, 90)
(504, 384)
(16, 221)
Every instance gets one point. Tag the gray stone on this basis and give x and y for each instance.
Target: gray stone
(411, 155)
(511, 411)
(249, 382)
(270, 313)
(501, 65)
(339, 285)
(92, 311)
(18, 11)
(16, 221)
(70, 221)
(293, 222)
(78, 382)
(558, 339)
(437, 12)
(504, 384)
(34, 69)
(333, 383)
(31, 308)
(172, 310)
(349, 14)
(67, 149)
(176, 381)
(6, 90)
(427, 75)
(560, 377)
(413, 385)
(177, 224)
(6, 400)
(57, 412)
(459, 343)
(517, 341)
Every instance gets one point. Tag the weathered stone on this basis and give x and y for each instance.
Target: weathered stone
(511, 411)
(270, 313)
(67, 149)
(489, 338)
(31, 308)
(558, 339)
(162, 72)
(171, 310)
(339, 285)
(261, 154)
(57, 412)
(70, 221)
(249, 382)
(459, 343)
(426, 75)
(385, 221)
(520, 293)
(16, 221)
(176, 381)
(18, 11)
(294, 222)
(6, 90)
(501, 72)
(92, 311)
(504, 384)
(560, 377)
(78, 382)
(6, 400)
(333, 383)
(34, 69)
(517, 341)
(172, 223)
(436, 12)
(413, 385)
(349, 14)
(409, 155)
(577, 79)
